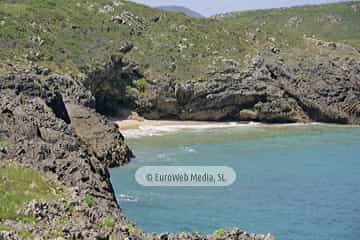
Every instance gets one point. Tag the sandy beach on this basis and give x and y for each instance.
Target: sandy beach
(134, 128)
(138, 128)
(137, 124)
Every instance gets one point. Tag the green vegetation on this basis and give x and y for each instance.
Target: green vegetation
(219, 232)
(89, 200)
(141, 85)
(70, 207)
(19, 185)
(132, 229)
(303, 32)
(337, 22)
(108, 222)
(4, 227)
(4, 143)
(63, 220)
(57, 234)
(79, 37)
(26, 235)
(68, 36)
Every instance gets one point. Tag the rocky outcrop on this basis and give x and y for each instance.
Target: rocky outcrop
(70, 101)
(330, 92)
(100, 134)
(327, 91)
(51, 128)
(109, 84)
(41, 139)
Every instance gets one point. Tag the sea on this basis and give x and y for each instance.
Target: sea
(295, 181)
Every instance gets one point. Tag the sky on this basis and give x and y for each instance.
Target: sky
(211, 7)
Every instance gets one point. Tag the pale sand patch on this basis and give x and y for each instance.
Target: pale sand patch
(140, 128)
(128, 124)
(136, 124)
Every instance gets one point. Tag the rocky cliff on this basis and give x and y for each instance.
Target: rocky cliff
(50, 124)
(268, 91)
(65, 64)
(295, 64)
(43, 134)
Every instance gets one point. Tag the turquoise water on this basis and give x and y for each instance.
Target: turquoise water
(298, 182)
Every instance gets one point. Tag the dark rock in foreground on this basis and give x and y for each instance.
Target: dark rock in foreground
(43, 140)
(52, 127)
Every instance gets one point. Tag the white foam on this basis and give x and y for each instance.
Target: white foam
(158, 130)
(165, 157)
(189, 149)
(289, 124)
(126, 198)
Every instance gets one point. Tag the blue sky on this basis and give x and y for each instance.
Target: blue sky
(211, 7)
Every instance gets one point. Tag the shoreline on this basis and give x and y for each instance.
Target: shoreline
(125, 125)
(142, 128)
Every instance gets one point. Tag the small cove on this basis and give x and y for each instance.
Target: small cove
(296, 182)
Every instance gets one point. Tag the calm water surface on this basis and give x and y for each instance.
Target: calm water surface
(297, 182)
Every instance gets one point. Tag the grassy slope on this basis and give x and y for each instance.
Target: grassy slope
(77, 35)
(338, 22)
(295, 29)
(186, 48)
(74, 35)
(19, 185)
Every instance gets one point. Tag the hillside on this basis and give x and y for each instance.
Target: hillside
(181, 9)
(70, 36)
(66, 64)
(295, 27)
(120, 50)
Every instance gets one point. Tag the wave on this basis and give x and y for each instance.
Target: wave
(166, 157)
(189, 149)
(126, 198)
(158, 130)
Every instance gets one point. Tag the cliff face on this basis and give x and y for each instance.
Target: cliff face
(268, 91)
(35, 122)
(65, 63)
(281, 65)
(49, 123)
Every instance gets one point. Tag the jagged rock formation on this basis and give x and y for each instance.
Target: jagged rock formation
(43, 138)
(269, 91)
(67, 94)
(110, 82)
(167, 65)
(244, 67)
(52, 127)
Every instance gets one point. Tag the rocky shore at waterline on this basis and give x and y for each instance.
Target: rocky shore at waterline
(49, 124)
(268, 91)
(65, 66)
